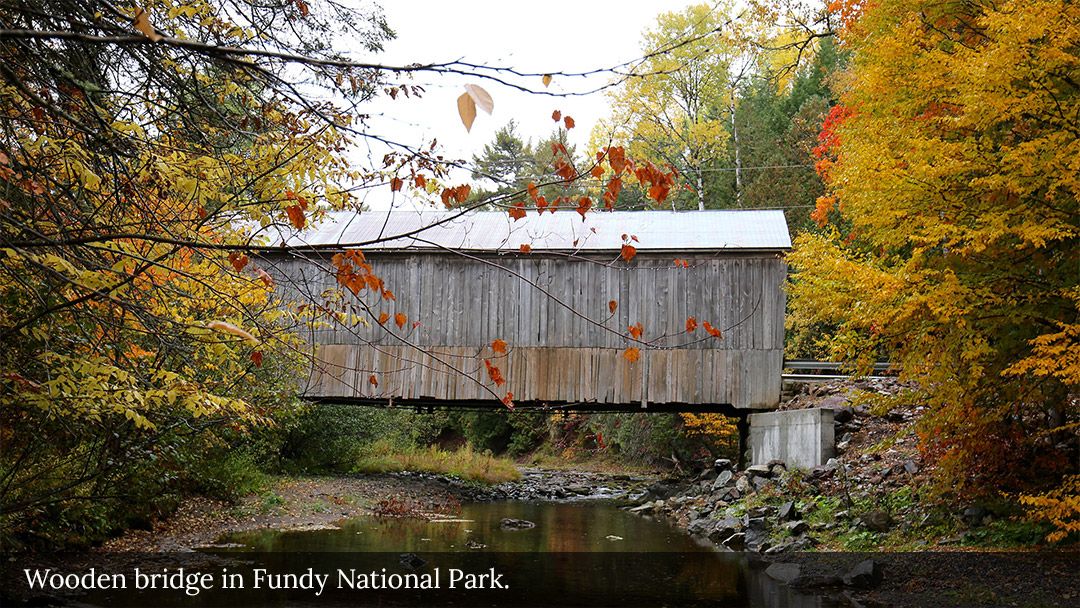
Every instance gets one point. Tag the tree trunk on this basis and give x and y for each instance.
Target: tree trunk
(738, 156)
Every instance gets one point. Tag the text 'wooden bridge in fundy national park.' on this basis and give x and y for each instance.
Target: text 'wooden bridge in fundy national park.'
(467, 280)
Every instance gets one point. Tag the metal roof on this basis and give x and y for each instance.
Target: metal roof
(559, 231)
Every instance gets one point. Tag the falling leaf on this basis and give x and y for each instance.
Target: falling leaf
(238, 260)
(396, 184)
(400, 319)
(628, 252)
(229, 328)
(373, 381)
(257, 358)
(631, 354)
(481, 97)
(466, 108)
(383, 317)
(546, 79)
(569, 122)
(517, 211)
(525, 248)
(612, 305)
(556, 116)
(691, 325)
(142, 23)
(635, 330)
(499, 346)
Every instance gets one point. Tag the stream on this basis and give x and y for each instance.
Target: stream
(579, 553)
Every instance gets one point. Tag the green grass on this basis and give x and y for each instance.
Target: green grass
(464, 463)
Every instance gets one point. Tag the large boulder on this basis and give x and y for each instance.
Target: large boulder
(783, 572)
(866, 574)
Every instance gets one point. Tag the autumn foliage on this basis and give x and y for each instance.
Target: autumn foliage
(951, 239)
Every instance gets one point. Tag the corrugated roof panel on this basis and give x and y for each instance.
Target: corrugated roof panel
(564, 230)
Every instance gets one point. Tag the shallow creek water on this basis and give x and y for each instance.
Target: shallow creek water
(582, 553)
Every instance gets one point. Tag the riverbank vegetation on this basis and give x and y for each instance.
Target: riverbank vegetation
(150, 154)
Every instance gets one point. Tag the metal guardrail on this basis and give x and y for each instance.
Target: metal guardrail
(808, 365)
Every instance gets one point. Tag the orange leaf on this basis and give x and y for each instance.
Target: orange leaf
(631, 354)
(612, 305)
(238, 260)
(396, 184)
(569, 122)
(556, 116)
(400, 319)
(388, 295)
(628, 252)
(508, 400)
(714, 332)
(373, 381)
(142, 23)
(499, 346)
(525, 248)
(257, 358)
(420, 181)
(635, 330)
(691, 324)
(296, 216)
(383, 318)
(546, 79)
(517, 211)
(466, 108)
(533, 190)
(494, 373)
(584, 204)
(681, 263)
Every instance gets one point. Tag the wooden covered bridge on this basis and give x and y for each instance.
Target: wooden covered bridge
(468, 281)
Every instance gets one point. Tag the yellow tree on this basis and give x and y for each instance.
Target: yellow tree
(671, 112)
(954, 176)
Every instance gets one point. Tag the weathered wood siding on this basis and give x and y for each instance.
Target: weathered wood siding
(557, 353)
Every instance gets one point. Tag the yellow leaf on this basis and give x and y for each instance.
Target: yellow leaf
(466, 108)
(547, 79)
(142, 23)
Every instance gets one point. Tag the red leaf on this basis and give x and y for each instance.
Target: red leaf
(681, 263)
(373, 381)
(569, 122)
(612, 305)
(635, 330)
(420, 181)
(628, 252)
(396, 184)
(508, 400)
(525, 248)
(499, 346)
(238, 260)
(631, 354)
(691, 324)
(556, 116)
(400, 319)
(257, 358)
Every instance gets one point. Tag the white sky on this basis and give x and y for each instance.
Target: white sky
(540, 37)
